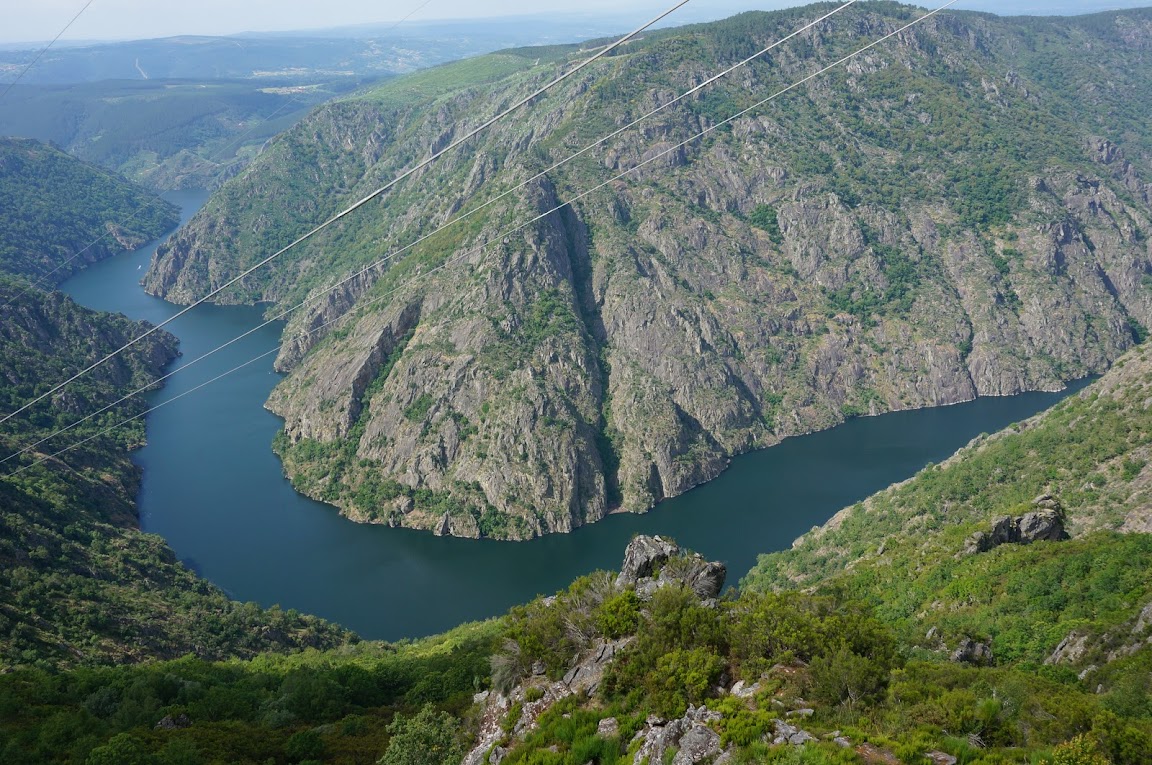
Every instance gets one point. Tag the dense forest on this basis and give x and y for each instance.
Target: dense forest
(81, 583)
(60, 214)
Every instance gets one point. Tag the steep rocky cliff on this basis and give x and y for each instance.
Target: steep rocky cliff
(965, 211)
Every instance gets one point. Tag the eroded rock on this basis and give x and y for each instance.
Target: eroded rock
(972, 652)
(642, 558)
(1044, 524)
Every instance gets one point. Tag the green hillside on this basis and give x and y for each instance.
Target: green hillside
(82, 584)
(56, 207)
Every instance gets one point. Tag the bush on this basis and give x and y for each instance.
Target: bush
(846, 678)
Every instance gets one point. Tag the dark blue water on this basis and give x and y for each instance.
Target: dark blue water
(215, 491)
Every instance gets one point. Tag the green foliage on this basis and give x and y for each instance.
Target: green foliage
(845, 677)
(619, 615)
(73, 590)
(1081, 750)
(337, 706)
(56, 207)
(765, 218)
(428, 738)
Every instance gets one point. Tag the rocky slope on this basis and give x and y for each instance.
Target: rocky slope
(965, 211)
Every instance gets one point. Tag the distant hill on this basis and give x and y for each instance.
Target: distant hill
(164, 134)
(299, 57)
(56, 206)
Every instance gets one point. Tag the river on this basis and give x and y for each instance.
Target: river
(215, 491)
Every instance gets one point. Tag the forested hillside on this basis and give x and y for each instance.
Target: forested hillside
(56, 207)
(962, 211)
(81, 583)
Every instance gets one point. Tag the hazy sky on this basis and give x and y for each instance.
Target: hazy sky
(133, 19)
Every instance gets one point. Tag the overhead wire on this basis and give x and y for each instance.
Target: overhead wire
(334, 219)
(392, 255)
(43, 279)
(45, 49)
(509, 232)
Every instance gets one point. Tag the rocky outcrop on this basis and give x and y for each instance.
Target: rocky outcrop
(690, 737)
(586, 675)
(790, 734)
(643, 557)
(652, 562)
(583, 678)
(972, 652)
(1044, 524)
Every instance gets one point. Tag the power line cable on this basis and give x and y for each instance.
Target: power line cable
(391, 184)
(509, 232)
(391, 256)
(44, 50)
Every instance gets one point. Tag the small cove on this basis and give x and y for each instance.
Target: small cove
(215, 491)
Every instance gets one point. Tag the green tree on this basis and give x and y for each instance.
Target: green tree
(428, 738)
(844, 677)
(122, 749)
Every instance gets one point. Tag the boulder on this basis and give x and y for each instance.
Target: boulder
(698, 744)
(790, 734)
(179, 722)
(691, 735)
(643, 556)
(941, 758)
(1041, 526)
(1044, 524)
(744, 691)
(971, 652)
(608, 727)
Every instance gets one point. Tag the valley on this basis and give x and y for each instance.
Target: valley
(817, 435)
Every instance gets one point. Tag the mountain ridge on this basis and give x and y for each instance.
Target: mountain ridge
(744, 290)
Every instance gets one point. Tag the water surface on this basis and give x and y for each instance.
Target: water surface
(215, 491)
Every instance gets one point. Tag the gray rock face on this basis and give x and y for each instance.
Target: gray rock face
(683, 330)
(707, 578)
(690, 735)
(971, 652)
(642, 557)
(179, 722)
(651, 563)
(585, 677)
(1070, 650)
(1045, 524)
(608, 727)
(697, 745)
(790, 734)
